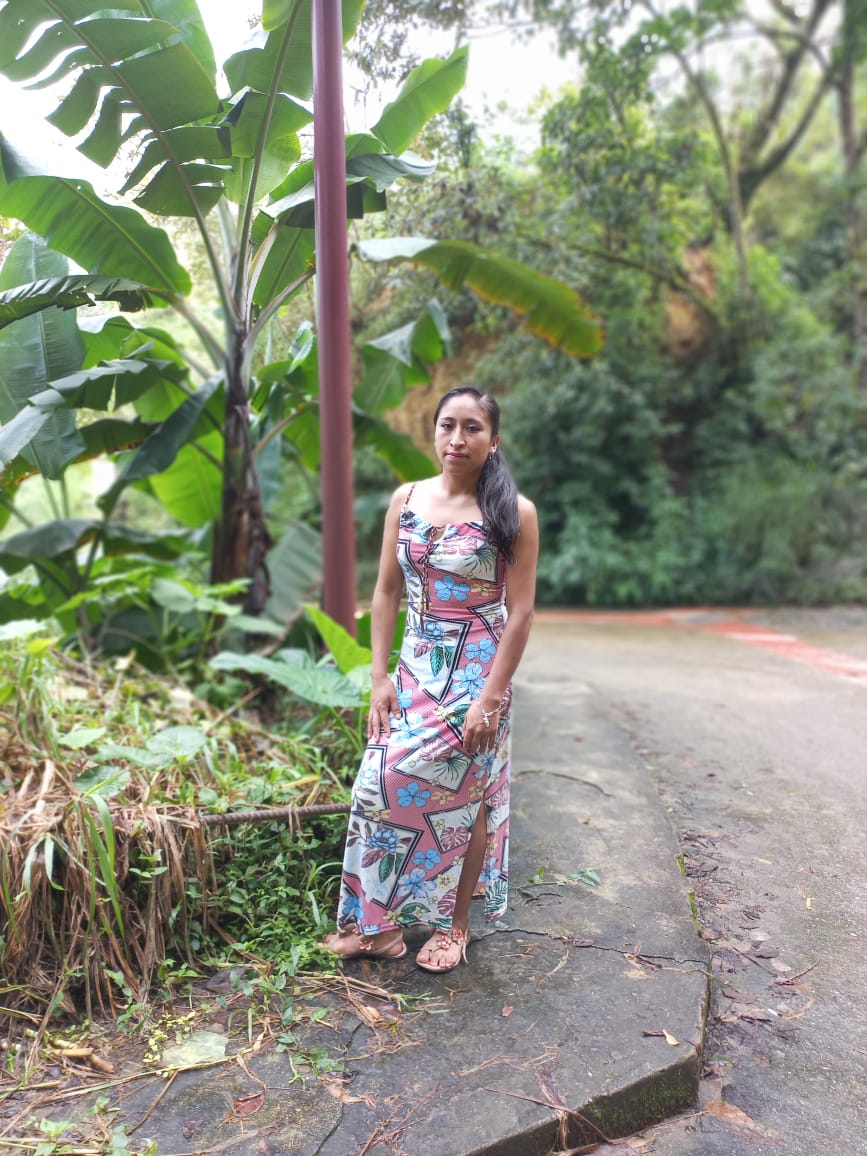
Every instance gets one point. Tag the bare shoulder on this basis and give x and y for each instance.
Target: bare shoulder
(527, 512)
(400, 495)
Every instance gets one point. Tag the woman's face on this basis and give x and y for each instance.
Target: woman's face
(463, 437)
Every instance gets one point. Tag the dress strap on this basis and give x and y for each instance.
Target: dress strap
(407, 498)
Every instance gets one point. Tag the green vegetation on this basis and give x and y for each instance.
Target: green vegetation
(162, 667)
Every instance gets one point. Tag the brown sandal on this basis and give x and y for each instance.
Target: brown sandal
(444, 940)
(394, 948)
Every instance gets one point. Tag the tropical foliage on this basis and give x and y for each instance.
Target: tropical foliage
(210, 424)
(704, 186)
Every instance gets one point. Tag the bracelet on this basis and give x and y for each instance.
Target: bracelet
(486, 714)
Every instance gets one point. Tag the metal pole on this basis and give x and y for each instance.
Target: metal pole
(332, 313)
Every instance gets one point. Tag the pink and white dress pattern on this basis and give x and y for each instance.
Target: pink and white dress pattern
(417, 794)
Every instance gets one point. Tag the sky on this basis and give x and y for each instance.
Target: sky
(504, 75)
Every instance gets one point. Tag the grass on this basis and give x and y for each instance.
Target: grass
(117, 877)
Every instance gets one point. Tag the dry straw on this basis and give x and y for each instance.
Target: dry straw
(87, 890)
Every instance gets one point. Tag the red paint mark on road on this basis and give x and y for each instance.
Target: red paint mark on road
(729, 625)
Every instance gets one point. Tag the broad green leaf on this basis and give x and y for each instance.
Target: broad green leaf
(161, 447)
(290, 254)
(190, 489)
(94, 388)
(385, 379)
(428, 89)
(400, 359)
(320, 685)
(38, 349)
(398, 450)
(49, 540)
(18, 433)
(69, 293)
(80, 737)
(178, 742)
(107, 782)
(276, 12)
(295, 565)
(346, 652)
(257, 65)
(109, 239)
(180, 146)
(551, 310)
(161, 64)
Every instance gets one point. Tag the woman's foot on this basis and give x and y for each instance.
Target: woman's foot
(444, 950)
(349, 943)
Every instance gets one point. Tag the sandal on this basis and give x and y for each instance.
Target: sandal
(394, 948)
(445, 939)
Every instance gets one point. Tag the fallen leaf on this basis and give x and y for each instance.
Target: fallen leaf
(373, 1017)
(670, 1039)
(728, 1112)
(739, 1121)
(507, 1010)
(247, 1105)
(200, 1048)
(338, 1090)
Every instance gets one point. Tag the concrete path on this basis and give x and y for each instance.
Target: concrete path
(579, 1017)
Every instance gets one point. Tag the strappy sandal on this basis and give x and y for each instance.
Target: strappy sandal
(445, 939)
(394, 948)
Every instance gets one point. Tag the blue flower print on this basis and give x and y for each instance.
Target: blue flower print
(447, 589)
(484, 764)
(469, 679)
(433, 630)
(485, 650)
(490, 872)
(412, 793)
(351, 910)
(427, 859)
(415, 884)
(410, 731)
(404, 699)
(383, 839)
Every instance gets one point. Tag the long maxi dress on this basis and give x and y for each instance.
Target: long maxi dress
(418, 792)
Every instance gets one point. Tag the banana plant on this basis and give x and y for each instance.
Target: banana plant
(204, 434)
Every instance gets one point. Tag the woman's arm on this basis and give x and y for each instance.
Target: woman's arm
(383, 619)
(520, 598)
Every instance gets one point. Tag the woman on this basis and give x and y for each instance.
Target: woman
(420, 844)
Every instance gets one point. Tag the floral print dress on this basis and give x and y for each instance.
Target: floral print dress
(417, 793)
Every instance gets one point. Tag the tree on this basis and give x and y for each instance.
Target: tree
(203, 435)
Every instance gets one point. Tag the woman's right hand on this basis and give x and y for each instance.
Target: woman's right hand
(383, 704)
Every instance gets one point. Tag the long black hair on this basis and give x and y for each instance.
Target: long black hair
(496, 491)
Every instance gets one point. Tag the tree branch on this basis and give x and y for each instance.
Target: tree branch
(767, 120)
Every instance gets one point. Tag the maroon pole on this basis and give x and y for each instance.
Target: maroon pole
(332, 313)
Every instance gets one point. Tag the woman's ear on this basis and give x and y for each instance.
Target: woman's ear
(494, 444)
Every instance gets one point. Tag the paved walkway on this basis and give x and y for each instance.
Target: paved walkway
(581, 1014)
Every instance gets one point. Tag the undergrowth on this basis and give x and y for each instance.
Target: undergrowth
(118, 884)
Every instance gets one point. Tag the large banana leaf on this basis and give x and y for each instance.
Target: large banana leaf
(40, 348)
(70, 293)
(160, 448)
(550, 308)
(428, 89)
(109, 239)
(152, 56)
(190, 489)
(295, 565)
(281, 60)
(88, 389)
(400, 359)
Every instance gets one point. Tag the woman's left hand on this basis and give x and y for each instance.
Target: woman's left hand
(479, 737)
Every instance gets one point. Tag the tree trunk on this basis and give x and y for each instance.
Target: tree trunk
(241, 538)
